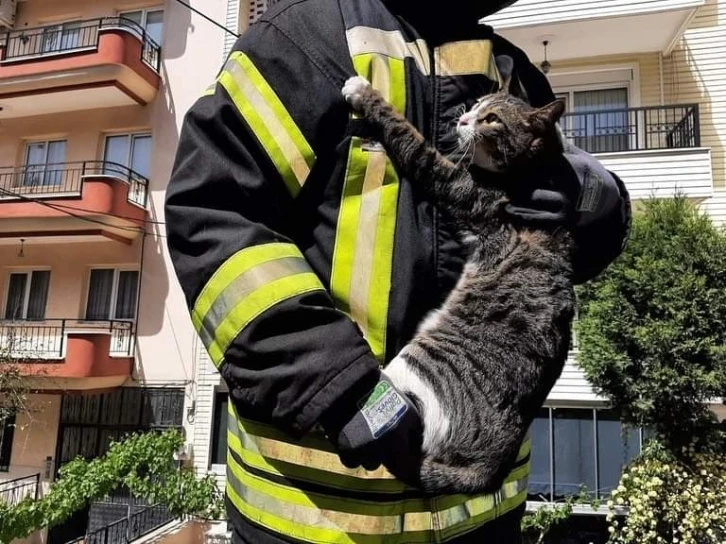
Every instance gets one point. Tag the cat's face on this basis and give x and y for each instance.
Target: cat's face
(501, 130)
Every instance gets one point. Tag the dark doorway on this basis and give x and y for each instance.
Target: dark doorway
(88, 425)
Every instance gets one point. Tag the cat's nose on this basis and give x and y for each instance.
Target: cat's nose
(466, 119)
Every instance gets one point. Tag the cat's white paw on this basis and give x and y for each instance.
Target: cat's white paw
(354, 89)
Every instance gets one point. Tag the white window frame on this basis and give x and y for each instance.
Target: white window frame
(592, 78)
(47, 143)
(26, 296)
(131, 135)
(117, 269)
(144, 15)
(570, 91)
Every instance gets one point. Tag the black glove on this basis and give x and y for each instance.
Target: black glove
(379, 426)
(575, 191)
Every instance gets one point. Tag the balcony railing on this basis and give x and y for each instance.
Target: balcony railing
(634, 129)
(128, 529)
(64, 179)
(13, 492)
(26, 341)
(74, 36)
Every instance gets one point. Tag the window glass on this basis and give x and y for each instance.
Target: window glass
(154, 25)
(128, 281)
(617, 447)
(219, 429)
(100, 291)
(540, 477)
(27, 295)
(15, 303)
(574, 447)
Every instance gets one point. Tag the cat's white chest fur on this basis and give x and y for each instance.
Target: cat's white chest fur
(436, 422)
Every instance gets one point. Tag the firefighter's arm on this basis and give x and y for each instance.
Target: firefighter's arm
(599, 197)
(245, 155)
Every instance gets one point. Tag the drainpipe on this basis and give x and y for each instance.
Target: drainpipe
(660, 76)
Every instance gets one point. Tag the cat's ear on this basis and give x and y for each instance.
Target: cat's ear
(550, 113)
(505, 65)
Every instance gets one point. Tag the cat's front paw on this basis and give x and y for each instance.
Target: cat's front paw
(355, 90)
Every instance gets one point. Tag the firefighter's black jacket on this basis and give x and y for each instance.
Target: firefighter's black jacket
(225, 194)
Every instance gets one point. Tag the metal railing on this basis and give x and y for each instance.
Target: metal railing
(128, 529)
(14, 491)
(64, 179)
(26, 341)
(73, 37)
(634, 129)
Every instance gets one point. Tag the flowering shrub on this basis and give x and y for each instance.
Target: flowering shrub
(671, 499)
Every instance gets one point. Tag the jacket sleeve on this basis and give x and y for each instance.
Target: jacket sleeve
(246, 149)
(600, 197)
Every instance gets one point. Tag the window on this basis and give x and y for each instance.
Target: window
(7, 430)
(124, 151)
(112, 294)
(219, 429)
(27, 295)
(575, 447)
(597, 122)
(44, 163)
(61, 37)
(150, 20)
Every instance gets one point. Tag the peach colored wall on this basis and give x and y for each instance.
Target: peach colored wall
(35, 438)
(69, 276)
(84, 132)
(41, 12)
(192, 55)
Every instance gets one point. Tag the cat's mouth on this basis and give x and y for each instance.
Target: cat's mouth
(475, 149)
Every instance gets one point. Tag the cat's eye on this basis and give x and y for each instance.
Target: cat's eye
(492, 118)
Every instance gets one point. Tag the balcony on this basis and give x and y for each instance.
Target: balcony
(13, 492)
(656, 150)
(594, 28)
(93, 199)
(97, 63)
(70, 354)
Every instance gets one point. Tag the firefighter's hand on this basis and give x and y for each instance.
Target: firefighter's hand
(384, 428)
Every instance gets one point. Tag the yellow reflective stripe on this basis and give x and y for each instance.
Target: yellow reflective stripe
(267, 514)
(210, 90)
(312, 458)
(306, 514)
(466, 58)
(270, 121)
(390, 43)
(248, 283)
(363, 257)
(321, 466)
(386, 74)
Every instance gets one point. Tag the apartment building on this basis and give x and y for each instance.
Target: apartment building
(92, 95)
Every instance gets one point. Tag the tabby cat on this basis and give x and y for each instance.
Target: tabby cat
(481, 366)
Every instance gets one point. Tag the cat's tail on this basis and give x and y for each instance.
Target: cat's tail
(441, 479)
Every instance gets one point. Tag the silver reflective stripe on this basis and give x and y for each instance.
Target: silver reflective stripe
(364, 40)
(243, 285)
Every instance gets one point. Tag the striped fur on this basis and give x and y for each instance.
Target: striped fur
(482, 364)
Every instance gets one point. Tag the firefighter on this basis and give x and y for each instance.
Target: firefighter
(307, 261)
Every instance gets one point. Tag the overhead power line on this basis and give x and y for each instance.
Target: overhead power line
(215, 23)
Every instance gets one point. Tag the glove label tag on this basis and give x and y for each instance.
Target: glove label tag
(383, 408)
(591, 192)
